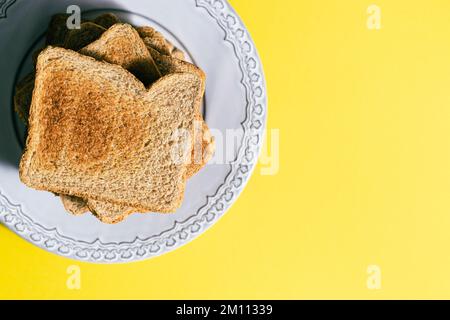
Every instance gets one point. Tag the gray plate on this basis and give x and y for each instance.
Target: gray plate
(214, 37)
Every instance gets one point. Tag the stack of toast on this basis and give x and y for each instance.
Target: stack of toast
(114, 119)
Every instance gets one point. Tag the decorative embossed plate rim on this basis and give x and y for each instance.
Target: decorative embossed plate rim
(253, 127)
(4, 5)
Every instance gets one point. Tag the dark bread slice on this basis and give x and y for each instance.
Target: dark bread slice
(57, 30)
(107, 20)
(79, 38)
(96, 132)
(22, 97)
(122, 45)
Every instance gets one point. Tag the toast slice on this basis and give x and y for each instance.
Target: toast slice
(122, 45)
(107, 20)
(204, 147)
(79, 38)
(57, 30)
(111, 213)
(108, 212)
(74, 205)
(202, 151)
(106, 48)
(154, 39)
(59, 35)
(204, 144)
(22, 98)
(78, 144)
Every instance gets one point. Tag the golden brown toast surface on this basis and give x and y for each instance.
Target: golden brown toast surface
(96, 132)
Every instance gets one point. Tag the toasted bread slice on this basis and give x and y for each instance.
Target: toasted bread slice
(178, 54)
(79, 38)
(202, 151)
(204, 142)
(155, 40)
(174, 51)
(57, 30)
(108, 212)
(107, 20)
(204, 147)
(111, 213)
(96, 132)
(58, 33)
(122, 45)
(101, 208)
(22, 98)
(74, 205)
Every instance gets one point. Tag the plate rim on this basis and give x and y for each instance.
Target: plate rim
(254, 125)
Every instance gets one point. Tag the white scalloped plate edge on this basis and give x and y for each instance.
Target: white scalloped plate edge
(14, 218)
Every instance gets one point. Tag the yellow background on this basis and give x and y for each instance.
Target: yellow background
(364, 119)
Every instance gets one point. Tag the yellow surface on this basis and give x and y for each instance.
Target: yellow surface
(364, 119)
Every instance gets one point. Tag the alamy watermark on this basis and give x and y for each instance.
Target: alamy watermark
(74, 20)
(73, 281)
(374, 277)
(221, 147)
(374, 17)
